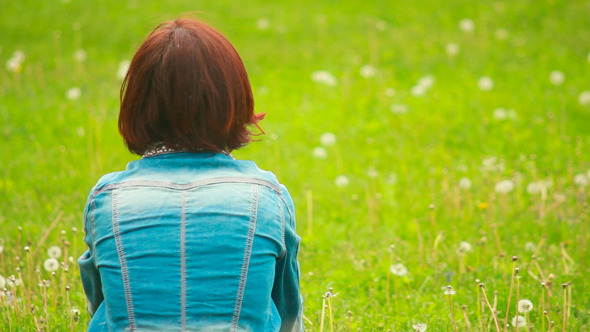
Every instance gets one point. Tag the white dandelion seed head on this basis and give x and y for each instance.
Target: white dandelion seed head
(464, 247)
(398, 109)
(556, 77)
(372, 172)
(448, 290)
(485, 83)
(324, 77)
(525, 305)
(534, 188)
(19, 55)
(420, 327)
(500, 114)
(73, 93)
(54, 252)
(14, 65)
(320, 152)
(342, 181)
(504, 186)
(581, 180)
(1, 248)
(12, 282)
(427, 81)
(80, 131)
(452, 49)
(418, 90)
(530, 247)
(501, 34)
(367, 71)
(398, 269)
(51, 265)
(584, 98)
(464, 183)
(328, 139)
(391, 179)
(519, 321)
(467, 25)
(80, 55)
(263, 23)
(390, 92)
(2, 282)
(123, 69)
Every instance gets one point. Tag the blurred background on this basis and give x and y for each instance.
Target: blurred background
(403, 130)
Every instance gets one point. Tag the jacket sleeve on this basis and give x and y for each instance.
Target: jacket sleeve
(286, 293)
(88, 271)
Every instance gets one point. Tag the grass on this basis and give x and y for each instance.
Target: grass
(400, 199)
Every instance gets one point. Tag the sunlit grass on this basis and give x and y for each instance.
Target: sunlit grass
(426, 145)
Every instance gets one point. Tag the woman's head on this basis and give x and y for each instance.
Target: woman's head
(187, 88)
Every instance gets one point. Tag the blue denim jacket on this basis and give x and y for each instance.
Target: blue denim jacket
(191, 242)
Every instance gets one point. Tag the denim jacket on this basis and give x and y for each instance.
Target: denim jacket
(191, 242)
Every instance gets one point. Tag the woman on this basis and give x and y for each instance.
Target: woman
(187, 238)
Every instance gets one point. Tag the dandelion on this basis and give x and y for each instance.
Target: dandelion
(328, 139)
(398, 109)
(123, 69)
(320, 153)
(418, 91)
(504, 186)
(420, 327)
(556, 77)
(390, 92)
(341, 181)
(80, 55)
(367, 71)
(427, 81)
(51, 265)
(391, 179)
(448, 290)
(2, 282)
(485, 83)
(519, 322)
(73, 93)
(324, 77)
(584, 98)
(466, 25)
(501, 34)
(464, 183)
(500, 114)
(464, 247)
(581, 180)
(14, 64)
(398, 269)
(452, 49)
(525, 305)
(263, 23)
(372, 172)
(54, 252)
(530, 247)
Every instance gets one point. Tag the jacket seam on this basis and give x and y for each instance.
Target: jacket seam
(246, 260)
(122, 261)
(183, 263)
(187, 186)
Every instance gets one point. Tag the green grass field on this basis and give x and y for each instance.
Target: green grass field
(445, 136)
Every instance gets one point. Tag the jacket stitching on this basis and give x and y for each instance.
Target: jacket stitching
(187, 186)
(183, 262)
(246, 262)
(123, 262)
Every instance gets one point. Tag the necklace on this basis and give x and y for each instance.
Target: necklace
(160, 149)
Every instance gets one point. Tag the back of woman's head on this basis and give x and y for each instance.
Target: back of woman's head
(186, 88)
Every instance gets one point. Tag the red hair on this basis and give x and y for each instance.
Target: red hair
(186, 88)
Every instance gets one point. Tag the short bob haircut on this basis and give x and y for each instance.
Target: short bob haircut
(186, 88)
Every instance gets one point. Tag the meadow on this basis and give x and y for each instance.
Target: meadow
(438, 153)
